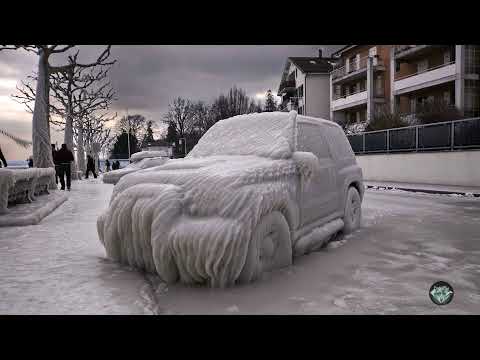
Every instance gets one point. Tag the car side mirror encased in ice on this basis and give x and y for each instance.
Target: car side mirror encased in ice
(307, 163)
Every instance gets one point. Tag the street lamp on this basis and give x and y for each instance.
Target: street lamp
(184, 145)
(128, 122)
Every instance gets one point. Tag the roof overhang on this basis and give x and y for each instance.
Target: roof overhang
(343, 49)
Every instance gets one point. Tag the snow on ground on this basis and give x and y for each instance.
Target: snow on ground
(407, 242)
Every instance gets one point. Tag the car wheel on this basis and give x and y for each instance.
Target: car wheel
(353, 211)
(269, 248)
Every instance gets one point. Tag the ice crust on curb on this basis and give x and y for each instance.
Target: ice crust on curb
(191, 219)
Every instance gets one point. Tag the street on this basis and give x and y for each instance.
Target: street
(407, 242)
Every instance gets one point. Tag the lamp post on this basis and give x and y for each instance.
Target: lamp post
(128, 122)
(184, 140)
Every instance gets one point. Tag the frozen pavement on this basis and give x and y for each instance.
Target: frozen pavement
(59, 265)
(408, 241)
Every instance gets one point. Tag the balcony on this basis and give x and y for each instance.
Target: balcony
(355, 69)
(286, 86)
(292, 103)
(430, 77)
(343, 102)
(412, 52)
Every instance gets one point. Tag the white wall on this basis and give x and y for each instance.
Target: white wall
(318, 96)
(444, 168)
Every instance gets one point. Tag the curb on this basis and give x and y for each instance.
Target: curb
(428, 191)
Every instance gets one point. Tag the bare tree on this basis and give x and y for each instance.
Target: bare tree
(181, 115)
(136, 123)
(42, 156)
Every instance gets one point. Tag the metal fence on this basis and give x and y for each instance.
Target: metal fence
(448, 135)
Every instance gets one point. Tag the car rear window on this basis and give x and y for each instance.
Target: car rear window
(311, 139)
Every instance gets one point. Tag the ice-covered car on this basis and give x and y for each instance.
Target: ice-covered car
(139, 161)
(255, 191)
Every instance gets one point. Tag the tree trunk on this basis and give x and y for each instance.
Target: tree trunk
(80, 150)
(68, 139)
(42, 151)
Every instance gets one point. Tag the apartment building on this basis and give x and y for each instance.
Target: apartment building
(423, 74)
(305, 85)
(360, 83)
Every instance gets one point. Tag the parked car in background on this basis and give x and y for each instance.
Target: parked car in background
(257, 190)
(138, 161)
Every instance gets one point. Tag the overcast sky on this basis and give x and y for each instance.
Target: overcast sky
(148, 78)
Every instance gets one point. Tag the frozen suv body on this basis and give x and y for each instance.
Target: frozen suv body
(255, 191)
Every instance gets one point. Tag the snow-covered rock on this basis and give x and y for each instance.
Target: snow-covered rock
(191, 219)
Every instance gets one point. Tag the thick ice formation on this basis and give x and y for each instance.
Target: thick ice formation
(147, 154)
(6, 182)
(112, 177)
(192, 219)
(28, 178)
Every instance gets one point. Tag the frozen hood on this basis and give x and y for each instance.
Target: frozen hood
(207, 174)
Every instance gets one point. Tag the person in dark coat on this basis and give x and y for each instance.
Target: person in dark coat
(30, 162)
(55, 163)
(90, 167)
(2, 159)
(107, 165)
(64, 158)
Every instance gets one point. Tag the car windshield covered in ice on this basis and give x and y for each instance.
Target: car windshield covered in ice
(257, 190)
(272, 136)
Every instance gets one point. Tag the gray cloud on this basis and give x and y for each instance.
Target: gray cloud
(148, 78)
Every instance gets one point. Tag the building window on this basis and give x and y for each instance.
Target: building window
(422, 65)
(300, 110)
(472, 59)
(446, 97)
(397, 66)
(446, 57)
(472, 98)
(379, 86)
(352, 62)
(363, 85)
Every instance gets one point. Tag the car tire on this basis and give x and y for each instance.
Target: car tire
(353, 211)
(269, 248)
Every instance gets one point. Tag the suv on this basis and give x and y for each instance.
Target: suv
(257, 190)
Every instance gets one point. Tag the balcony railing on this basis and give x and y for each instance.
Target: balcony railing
(402, 48)
(354, 66)
(336, 96)
(424, 71)
(448, 135)
(287, 84)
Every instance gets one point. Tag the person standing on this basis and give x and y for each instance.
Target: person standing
(55, 163)
(2, 159)
(64, 158)
(30, 162)
(90, 166)
(107, 165)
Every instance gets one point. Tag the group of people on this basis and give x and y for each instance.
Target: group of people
(62, 159)
(115, 165)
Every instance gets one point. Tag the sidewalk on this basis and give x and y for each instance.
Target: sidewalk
(426, 188)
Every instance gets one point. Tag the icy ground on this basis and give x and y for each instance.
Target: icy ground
(407, 242)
